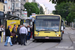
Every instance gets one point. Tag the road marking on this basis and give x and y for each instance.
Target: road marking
(73, 41)
(65, 47)
(66, 33)
(70, 33)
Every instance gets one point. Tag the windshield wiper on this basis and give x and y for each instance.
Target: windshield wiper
(54, 30)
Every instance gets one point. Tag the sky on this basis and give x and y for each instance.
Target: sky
(47, 4)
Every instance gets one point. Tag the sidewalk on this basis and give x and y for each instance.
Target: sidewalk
(73, 28)
(16, 46)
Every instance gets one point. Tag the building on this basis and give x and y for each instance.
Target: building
(18, 7)
(15, 7)
(1, 6)
(34, 0)
(7, 6)
(1, 12)
(31, 0)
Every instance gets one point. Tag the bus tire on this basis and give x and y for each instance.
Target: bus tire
(60, 39)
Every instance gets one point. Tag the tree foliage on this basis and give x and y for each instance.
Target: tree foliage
(31, 8)
(41, 10)
(60, 1)
(66, 10)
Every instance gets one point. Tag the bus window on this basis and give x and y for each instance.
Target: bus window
(47, 25)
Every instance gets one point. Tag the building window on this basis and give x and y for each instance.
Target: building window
(17, 10)
(13, 6)
(17, 14)
(4, 7)
(19, 0)
(2, 1)
(17, 4)
(24, 0)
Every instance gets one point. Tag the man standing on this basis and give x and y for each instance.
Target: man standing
(18, 39)
(14, 32)
(23, 32)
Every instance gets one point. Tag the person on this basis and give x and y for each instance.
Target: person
(4, 33)
(23, 33)
(8, 36)
(27, 33)
(18, 39)
(28, 36)
(1, 29)
(31, 30)
(14, 32)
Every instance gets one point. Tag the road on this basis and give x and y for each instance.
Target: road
(68, 43)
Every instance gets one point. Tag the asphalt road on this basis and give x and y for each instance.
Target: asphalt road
(68, 43)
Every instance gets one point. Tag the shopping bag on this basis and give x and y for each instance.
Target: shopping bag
(9, 39)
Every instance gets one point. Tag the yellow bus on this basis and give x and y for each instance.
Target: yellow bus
(47, 27)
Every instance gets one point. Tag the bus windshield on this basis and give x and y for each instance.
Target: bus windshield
(47, 25)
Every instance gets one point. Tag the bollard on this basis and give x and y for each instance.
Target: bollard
(1, 37)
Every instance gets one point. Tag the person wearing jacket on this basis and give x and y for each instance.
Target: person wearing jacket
(29, 34)
(18, 39)
(8, 36)
(14, 32)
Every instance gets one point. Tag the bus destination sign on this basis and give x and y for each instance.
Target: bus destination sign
(47, 17)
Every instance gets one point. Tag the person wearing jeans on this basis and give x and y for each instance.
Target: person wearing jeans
(7, 41)
(7, 36)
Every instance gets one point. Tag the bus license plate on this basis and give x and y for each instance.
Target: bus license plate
(46, 37)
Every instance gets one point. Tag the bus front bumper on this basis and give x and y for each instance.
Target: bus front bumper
(47, 37)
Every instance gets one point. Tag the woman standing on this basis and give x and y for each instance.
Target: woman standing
(4, 33)
(7, 36)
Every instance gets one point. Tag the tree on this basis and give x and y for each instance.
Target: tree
(66, 10)
(31, 8)
(41, 10)
(60, 1)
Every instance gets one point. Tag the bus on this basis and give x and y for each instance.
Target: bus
(47, 27)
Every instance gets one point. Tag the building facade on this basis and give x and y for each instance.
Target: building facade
(15, 7)
(18, 7)
(7, 6)
(31, 0)
(1, 12)
(1, 6)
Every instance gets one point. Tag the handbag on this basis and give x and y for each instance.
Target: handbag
(13, 34)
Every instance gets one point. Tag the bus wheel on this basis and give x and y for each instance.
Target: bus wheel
(60, 39)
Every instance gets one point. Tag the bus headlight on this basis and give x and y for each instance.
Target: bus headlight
(57, 35)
